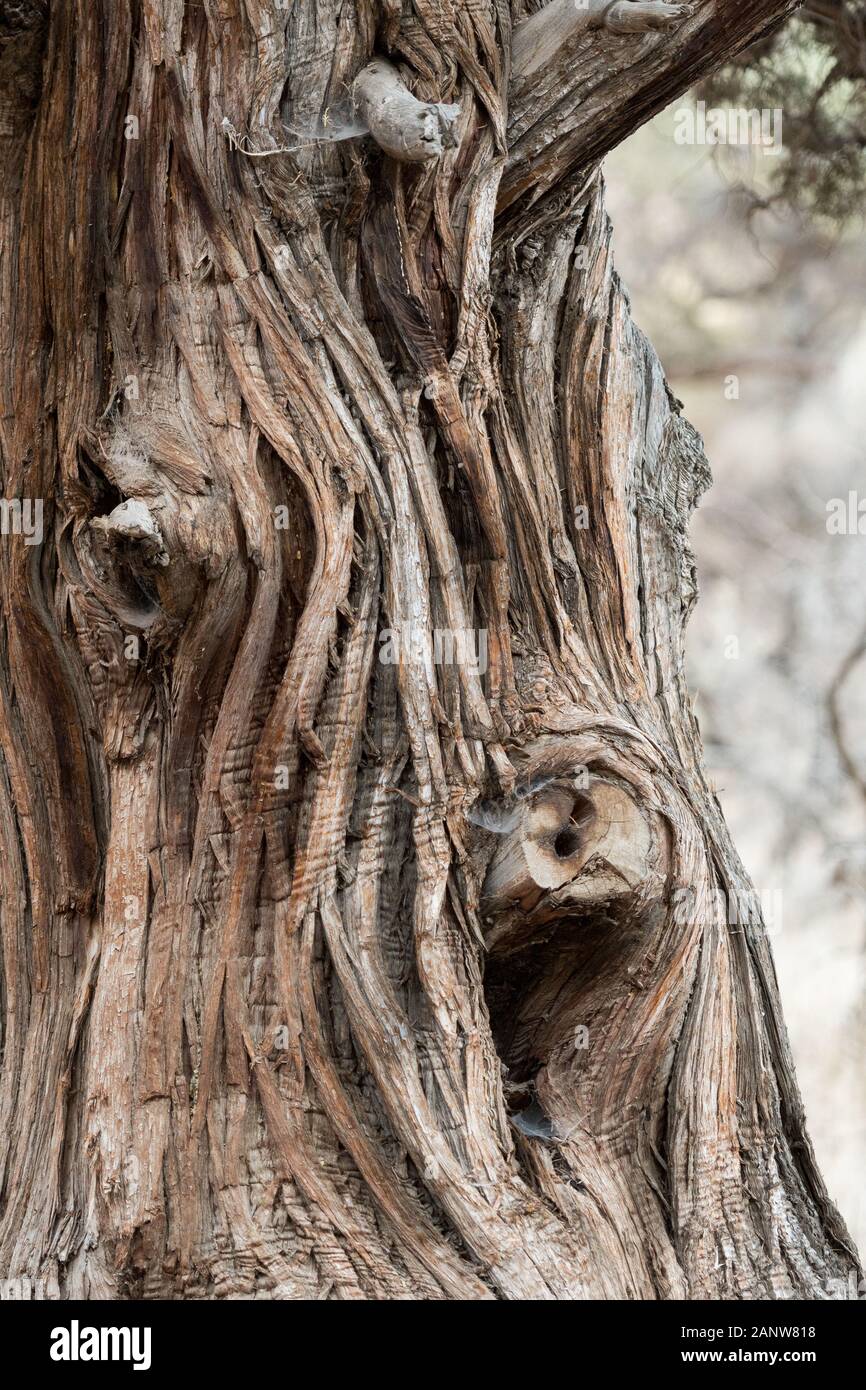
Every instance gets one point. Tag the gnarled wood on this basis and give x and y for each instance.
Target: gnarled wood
(538, 39)
(408, 129)
(326, 974)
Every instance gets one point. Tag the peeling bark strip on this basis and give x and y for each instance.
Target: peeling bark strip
(323, 975)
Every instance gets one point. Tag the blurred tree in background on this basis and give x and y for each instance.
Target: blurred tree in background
(748, 270)
(814, 69)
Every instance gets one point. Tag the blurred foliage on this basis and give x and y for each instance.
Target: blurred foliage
(813, 69)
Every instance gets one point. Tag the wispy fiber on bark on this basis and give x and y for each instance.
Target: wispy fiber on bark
(276, 984)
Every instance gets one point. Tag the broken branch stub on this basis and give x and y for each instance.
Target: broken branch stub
(132, 521)
(409, 130)
(569, 848)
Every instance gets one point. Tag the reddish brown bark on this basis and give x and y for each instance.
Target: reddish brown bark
(326, 973)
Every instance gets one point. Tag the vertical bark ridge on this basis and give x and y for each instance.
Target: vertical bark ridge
(270, 1025)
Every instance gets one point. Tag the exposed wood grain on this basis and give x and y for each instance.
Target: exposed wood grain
(328, 972)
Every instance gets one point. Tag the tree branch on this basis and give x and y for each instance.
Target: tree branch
(538, 38)
(837, 727)
(577, 90)
(406, 128)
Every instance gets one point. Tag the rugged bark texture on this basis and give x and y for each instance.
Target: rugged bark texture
(326, 975)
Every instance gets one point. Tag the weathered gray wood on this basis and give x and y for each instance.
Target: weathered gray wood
(288, 927)
(538, 39)
(409, 130)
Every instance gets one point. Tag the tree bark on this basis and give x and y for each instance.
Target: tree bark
(367, 917)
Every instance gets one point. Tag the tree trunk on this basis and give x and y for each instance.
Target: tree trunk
(369, 927)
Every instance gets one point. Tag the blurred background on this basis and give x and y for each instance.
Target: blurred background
(747, 271)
